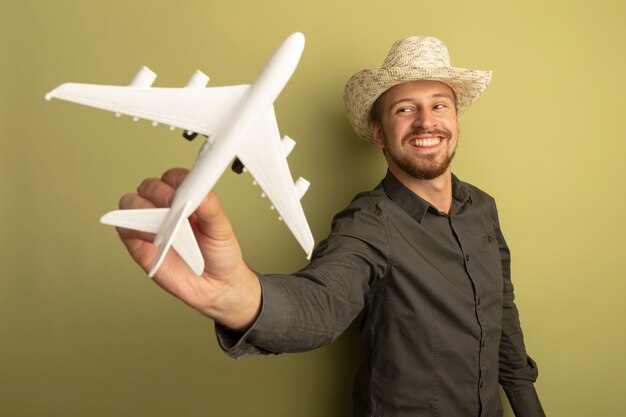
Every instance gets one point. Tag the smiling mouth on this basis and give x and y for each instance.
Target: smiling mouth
(427, 139)
(425, 142)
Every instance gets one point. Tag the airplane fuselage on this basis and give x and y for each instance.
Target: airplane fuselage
(234, 127)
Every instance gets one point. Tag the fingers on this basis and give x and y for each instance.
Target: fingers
(134, 201)
(174, 177)
(156, 192)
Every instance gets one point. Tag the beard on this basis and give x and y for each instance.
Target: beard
(426, 167)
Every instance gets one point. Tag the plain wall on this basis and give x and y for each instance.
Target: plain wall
(83, 331)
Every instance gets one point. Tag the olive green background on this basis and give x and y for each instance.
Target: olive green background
(83, 332)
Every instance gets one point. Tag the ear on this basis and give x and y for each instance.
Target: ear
(377, 135)
(458, 128)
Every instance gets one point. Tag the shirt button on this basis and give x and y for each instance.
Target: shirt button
(482, 344)
(467, 258)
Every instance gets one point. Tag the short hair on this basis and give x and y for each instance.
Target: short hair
(375, 111)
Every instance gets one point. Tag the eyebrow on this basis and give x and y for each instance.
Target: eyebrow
(446, 95)
(435, 95)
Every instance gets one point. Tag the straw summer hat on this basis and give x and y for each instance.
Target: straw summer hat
(410, 59)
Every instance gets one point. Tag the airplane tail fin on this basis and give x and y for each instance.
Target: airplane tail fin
(176, 233)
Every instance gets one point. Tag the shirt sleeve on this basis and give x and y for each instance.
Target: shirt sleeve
(518, 371)
(312, 307)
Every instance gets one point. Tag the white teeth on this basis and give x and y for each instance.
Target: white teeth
(426, 142)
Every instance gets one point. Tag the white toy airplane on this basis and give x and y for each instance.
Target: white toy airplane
(239, 122)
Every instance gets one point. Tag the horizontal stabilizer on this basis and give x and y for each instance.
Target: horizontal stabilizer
(151, 221)
(144, 220)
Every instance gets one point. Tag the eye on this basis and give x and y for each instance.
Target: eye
(439, 106)
(404, 110)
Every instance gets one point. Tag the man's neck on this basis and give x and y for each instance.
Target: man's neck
(438, 191)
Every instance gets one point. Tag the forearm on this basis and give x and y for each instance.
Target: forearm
(315, 305)
(290, 321)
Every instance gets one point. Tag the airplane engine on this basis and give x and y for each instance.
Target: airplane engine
(198, 80)
(302, 187)
(144, 78)
(288, 145)
(237, 166)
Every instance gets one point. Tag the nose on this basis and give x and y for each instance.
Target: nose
(424, 119)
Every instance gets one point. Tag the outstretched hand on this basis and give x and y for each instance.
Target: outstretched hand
(228, 291)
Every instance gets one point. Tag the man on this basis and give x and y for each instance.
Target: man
(421, 258)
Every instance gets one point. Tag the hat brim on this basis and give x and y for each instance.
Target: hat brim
(364, 87)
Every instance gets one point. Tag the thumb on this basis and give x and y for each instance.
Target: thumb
(212, 220)
(210, 217)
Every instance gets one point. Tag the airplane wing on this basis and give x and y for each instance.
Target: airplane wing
(264, 156)
(193, 109)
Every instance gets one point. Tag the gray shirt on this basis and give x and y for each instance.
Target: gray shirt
(433, 291)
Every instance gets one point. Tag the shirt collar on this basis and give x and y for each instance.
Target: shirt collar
(416, 206)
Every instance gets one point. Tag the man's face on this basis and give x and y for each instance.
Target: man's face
(418, 129)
